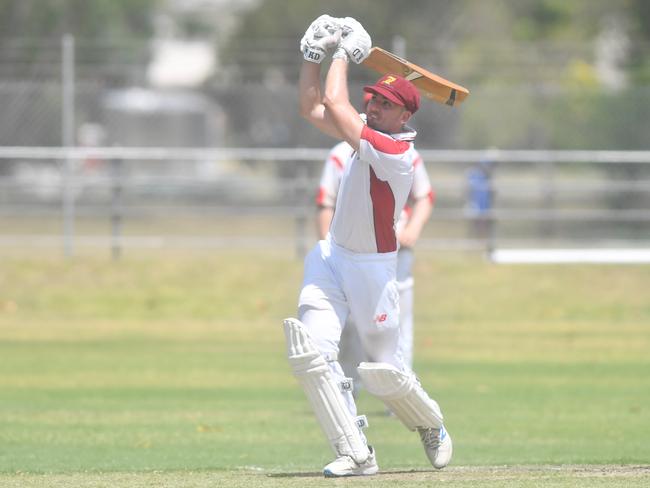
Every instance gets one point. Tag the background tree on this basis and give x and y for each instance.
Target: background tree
(30, 30)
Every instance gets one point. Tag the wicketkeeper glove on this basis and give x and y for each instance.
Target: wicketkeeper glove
(321, 37)
(355, 41)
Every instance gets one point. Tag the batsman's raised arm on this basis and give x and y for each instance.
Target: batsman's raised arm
(332, 111)
(354, 45)
(337, 104)
(320, 38)
(311, 104)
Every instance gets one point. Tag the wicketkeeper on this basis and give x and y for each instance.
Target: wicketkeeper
(353, 271)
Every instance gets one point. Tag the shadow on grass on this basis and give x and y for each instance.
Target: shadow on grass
(320, 474)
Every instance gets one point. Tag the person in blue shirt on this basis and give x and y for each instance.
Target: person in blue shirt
(480, 200)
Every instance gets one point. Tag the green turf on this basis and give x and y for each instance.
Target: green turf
(170, 371)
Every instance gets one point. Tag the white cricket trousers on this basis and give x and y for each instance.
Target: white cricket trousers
(351, 352)
(338, 283)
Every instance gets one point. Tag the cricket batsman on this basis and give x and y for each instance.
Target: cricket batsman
(353, 270)
(408, 229)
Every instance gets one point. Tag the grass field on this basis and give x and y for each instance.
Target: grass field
(170, 370)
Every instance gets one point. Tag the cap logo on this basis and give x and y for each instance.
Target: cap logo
(389, 80)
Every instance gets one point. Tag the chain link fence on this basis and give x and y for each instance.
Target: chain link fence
(119, 198)
(179, 189)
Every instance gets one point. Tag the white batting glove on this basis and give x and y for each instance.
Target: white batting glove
(317, 49)
(355, 41)
(321, 37)
(318, 27)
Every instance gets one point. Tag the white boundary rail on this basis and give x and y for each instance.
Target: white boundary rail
(301, 154)
(564, 256)
(315, 155)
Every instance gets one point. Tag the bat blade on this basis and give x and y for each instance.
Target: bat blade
(431, 86)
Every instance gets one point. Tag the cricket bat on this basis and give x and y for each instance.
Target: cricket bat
(432, 86)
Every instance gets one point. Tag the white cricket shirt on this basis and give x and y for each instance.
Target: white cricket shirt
(374, 189)
(334, 168)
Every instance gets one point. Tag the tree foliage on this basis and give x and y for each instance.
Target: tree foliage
(30, 30)
(533, 66)
(96, 19)
(464, 35)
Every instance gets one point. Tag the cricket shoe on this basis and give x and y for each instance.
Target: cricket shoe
(437, 445)
(346, 466)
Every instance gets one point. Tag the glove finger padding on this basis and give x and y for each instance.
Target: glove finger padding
(321, 27)
(326, 21)
(324, 26)
(329, 42)
(355, 40)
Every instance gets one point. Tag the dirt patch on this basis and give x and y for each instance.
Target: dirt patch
(517, 472)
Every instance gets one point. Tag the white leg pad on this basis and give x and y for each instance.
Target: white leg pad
(402, 394)
(324, 394)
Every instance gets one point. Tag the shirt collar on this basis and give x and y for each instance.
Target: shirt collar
(408, 133)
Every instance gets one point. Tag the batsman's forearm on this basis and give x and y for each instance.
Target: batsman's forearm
(336, 83)
(309, 88)
(337, 104)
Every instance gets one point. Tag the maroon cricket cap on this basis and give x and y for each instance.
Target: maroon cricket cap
(398, 90)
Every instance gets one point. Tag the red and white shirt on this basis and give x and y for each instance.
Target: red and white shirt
(370, 189)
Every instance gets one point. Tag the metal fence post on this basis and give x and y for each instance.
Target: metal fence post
(398, 46)
(116, 208)
(548, 226)
(68, 141)
(302, 182)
